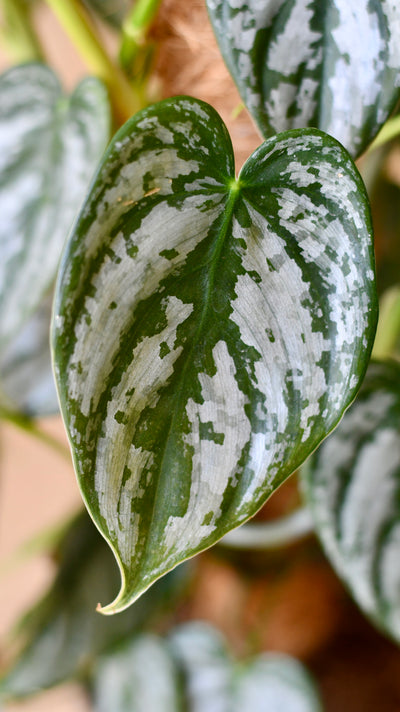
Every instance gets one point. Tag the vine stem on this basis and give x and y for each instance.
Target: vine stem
(134, 33)
(75, 21)
(17, 34)
(388, 331)
(389, 131)
(271, 535)
(29, 426)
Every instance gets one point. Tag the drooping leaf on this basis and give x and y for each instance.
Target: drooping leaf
(208, 331)
(352, 484)
(267, 683)
(26, 375)
(50, 145)
(141, 677)
(334, 64)
(64, 633)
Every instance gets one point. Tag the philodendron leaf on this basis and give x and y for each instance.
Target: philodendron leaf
(50, 145)
(63, 633)
(140, 677)
(208, 331)
(352, 485)
(26, 376)
(334, 65)
(267, 683)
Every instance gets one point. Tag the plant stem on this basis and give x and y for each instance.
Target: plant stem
(389, 131)
(388, 331)
(29, 426)
(271, 535)
(133, 51)
(17, 34)
(73, 18)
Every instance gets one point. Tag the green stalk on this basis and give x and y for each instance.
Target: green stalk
(29, 426)
(388, 332)
(73, 18)
(17, 34)
(389, 131)
(134, 50)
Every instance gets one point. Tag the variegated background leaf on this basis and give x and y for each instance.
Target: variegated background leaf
(352, 484)
(62, 634)
(50, 145)
(334, 64)
(192, 671)
(26, 375)
(208, 331)
(140, 677)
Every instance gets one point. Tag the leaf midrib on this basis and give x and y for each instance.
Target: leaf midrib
(234, 194)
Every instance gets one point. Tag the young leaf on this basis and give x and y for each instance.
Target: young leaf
(352, 484)
(208, 332)
(26, 376)
(267, 683)
(49, 148)
(63, 633)
(141, 677)
(333, 65)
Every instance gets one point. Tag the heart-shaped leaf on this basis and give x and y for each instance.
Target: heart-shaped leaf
(49, 148)
(63, 633)
(208, 331)
(333, 65)
(192, 671)
(26, 375)
(352, 484)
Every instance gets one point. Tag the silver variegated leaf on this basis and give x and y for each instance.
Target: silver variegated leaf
(26, 375)
(215, 683)
(333, 65)
(208, 331)
(63, 634)
(352, 484)
(50, 145)
(140, 677)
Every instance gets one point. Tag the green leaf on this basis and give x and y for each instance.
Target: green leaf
(208, 332)
(352, 484)
(266, 683)
(64, 633)
(141, 677)
(26, 375)
(49, 148)
(332, 65)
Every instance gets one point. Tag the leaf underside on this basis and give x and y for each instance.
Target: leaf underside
(333, 64)
(208, 332)
(352, 484)
(50, 145)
